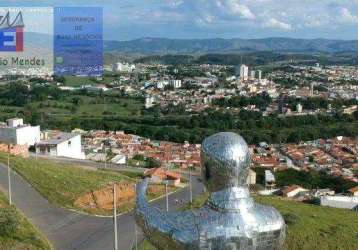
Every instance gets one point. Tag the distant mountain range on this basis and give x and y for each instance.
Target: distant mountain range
(152, 46)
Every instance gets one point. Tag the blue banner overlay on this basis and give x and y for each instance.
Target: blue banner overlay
(78, 41)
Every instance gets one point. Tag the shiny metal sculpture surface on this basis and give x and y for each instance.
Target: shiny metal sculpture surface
(229, 220)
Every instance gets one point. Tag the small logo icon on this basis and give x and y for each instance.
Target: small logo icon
(11, 35)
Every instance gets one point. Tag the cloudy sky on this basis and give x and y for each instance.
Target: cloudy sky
(129, 19)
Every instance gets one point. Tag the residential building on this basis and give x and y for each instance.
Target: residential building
(292, 191)
(16, 132)
(175, 83)
(60, 144)
(119, 159)
(159, 175)
(270, 181)
(149, 102)
(251, 177)
(354, 191)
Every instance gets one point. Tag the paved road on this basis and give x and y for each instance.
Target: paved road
(70, 230)
(91, 164)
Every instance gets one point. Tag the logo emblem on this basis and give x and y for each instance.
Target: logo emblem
(11, 34)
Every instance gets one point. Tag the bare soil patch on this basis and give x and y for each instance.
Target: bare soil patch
(101, 201)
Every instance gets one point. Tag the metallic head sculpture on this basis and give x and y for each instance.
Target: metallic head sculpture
(229, 220)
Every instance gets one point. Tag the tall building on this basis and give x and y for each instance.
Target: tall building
(259, 75)
(311, 89)
(280, 104)
(299, 108)
(252, 74)
(244, 72)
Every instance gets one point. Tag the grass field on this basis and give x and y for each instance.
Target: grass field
(77, 81)
(88, 106)
(18, 233)
(309, 226)
(64, 184)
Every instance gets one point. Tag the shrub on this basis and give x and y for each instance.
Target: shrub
(9, 221)
(290, 218)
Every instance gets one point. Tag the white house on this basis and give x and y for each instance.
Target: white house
(162, 84)
(61, 144)
(348, 202)
(123, 67)
(270, 181)
(292, 191)
(16, 132)
(119, 159)
(251, 177)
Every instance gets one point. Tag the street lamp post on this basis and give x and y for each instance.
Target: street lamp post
(115, 217)
(105, 157)
(9, 175)
(135, 225)
(190, 187)
(166, 195)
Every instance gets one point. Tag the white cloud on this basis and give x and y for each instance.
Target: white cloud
(234, 7)
(205, 20)
(345, 16)
(276, 24)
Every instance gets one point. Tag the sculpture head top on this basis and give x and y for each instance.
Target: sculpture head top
(225, 161)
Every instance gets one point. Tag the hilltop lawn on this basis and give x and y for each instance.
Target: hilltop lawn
(64, 184)
(16, 232)
(61, 184)
(308, 226)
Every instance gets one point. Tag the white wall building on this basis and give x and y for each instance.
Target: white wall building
(16, 132)
(348, 202)
(61, 144)
(119, 159)
(299, 108)
(259, 75)
(293, 190)
(123, 67)
(149, 102)
(252, 74)
(175, 83)
(251, 177)
(244, 72)
(162, 84)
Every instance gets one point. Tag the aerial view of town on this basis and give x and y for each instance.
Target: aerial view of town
(155, 125)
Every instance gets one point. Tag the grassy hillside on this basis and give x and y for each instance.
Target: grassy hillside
(60, 184)
(309, 226)
(64, 184)
(16, 232)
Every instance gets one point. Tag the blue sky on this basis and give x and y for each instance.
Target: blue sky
(130, 19)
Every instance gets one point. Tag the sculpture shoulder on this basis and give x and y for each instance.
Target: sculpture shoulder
(266, 215)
